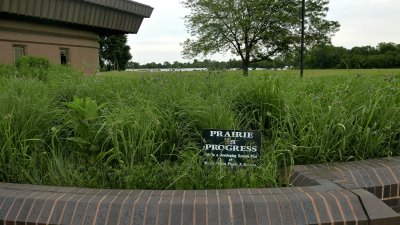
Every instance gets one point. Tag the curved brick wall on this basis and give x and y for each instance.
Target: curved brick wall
(339, 193)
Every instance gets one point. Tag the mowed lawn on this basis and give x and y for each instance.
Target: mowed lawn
(142, 130)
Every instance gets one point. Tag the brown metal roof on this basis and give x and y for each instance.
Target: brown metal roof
(104, 16)
(125, 5)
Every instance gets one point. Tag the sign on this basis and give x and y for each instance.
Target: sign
(233, 148)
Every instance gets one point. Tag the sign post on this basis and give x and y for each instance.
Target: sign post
(303, 13)
(232, 148)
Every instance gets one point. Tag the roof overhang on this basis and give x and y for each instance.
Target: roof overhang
(104, 17)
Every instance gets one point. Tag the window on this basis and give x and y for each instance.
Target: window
(64, 56)
(19, 51)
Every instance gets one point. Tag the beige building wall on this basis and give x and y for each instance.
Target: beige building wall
(47, 40)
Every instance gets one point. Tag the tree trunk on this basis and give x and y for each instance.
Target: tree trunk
(245, 68)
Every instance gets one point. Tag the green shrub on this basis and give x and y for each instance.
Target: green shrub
(33, 67)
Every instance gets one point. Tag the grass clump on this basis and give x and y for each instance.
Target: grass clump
(33, 67)
(144, 131)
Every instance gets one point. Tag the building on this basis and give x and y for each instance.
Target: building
(65, 31)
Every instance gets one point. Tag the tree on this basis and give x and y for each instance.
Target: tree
(387, 48)
(114, 52)
(167, 64)
(255, 30)
(326, 57)
(133, 65)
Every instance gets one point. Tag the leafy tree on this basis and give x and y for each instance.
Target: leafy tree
(255, 30)
(233, 63)
(364, 50)
(152, 65)
(133, 65)
(114, 52)
(167, 64)
(177, 64)
(387, 48)
(326, 57)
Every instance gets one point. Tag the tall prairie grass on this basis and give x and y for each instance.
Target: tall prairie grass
(144, 130)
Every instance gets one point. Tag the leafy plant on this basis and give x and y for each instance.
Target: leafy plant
(84, 117)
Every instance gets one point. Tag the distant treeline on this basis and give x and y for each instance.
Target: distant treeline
(232, 63)
(385, 55)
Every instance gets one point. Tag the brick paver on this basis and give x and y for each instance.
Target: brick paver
(337, 193)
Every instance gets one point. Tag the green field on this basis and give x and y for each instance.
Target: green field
(143, 130)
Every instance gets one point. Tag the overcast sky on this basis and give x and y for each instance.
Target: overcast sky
(363, 22)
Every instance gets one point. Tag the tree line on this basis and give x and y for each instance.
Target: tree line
(384, 55)
(208, 64)
(114, 55)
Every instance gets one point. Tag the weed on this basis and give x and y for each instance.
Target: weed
(85, 120)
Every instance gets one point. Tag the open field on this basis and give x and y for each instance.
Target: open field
(143, 131)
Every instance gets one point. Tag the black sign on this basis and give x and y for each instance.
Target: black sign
(233, 148)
